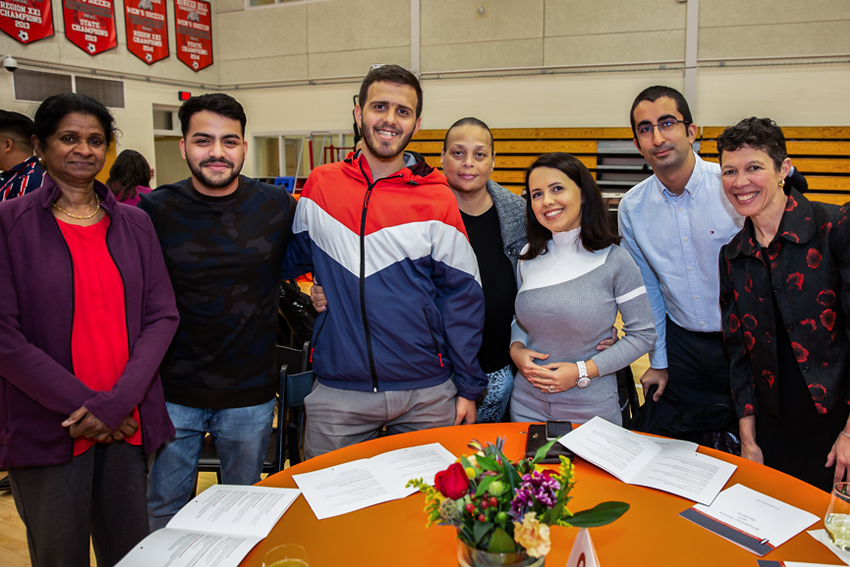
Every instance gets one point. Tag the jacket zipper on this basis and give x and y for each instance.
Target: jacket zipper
(433, 337)
(370, 186)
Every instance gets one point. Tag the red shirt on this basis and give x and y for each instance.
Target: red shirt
(99, 347)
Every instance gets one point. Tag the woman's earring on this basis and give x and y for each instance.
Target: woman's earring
(781, 183)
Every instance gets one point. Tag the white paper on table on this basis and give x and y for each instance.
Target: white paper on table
(365, 482)
(769, 563)
(823, 537)
(217, 528)
(750, 519)
(636, 459)
(181, 548)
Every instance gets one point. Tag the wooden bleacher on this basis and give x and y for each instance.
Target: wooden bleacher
(822, 154)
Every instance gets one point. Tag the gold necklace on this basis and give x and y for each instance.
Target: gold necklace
(96, 209)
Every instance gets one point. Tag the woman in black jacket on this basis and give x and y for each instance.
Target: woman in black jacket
(784, 298)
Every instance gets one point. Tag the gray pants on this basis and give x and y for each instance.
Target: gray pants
(525, 407)
(339, 418)
(99, 494)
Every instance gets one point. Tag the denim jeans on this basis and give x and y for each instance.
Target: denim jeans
(241, 437)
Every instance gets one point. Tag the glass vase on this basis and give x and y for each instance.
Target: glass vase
(468, 556)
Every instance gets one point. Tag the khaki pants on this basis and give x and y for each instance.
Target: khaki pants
(338, 418)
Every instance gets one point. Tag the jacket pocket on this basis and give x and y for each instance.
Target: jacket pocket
(433, 337)
(318, 333)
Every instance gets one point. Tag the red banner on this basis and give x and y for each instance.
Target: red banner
(26, 20)
(147, 29)
(194, 33)
(90, 24)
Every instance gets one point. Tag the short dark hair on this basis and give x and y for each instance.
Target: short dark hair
(470, 121)
(758, 133)
(596, 231)
(129, 170)
(395, 75)
(658, 91)
(218, 103)
(56, 107)
(17, 127)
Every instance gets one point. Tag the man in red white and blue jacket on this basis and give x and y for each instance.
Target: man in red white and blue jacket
(398, 344)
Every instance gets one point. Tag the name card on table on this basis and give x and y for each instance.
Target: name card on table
(750, 519)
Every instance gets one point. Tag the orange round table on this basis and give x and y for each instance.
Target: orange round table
(650, 533)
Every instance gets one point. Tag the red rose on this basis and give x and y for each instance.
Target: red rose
(733, 323)
(820, 409)
(817, 391)
(800, 353)
(813, 258)
(749, 340)
(452, 482)
(749, 322)
(748, 283)
(736, 295)
(809, 323)
(828, 319)
(826, 297)
(768, 377)
(796, 279)
(748, 410)
(826, 227)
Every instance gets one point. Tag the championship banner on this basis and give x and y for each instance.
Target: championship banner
(90, 24)
(26, 20)
(194, 33)
(147, 29)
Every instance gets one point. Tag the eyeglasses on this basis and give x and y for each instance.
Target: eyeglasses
(666, 125)
(416, 73)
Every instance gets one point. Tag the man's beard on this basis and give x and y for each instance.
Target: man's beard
(380, 150)
(218, 182)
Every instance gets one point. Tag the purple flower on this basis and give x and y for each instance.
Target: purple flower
(534, 488)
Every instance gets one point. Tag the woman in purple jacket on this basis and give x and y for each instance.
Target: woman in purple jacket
(86, 314)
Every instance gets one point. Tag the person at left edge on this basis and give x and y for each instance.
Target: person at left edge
(223, 236)
(86, 314)
(398, 345)
(20, 171)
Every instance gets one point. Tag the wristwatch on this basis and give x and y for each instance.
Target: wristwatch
(583, 381)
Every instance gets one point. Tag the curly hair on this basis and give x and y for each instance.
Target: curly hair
(758, 133)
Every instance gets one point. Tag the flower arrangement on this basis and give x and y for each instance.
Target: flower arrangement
(505, 507)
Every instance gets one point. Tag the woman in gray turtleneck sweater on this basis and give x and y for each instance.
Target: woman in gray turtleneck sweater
(572, 280)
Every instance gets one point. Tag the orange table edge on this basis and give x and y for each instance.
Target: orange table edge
(650, 533)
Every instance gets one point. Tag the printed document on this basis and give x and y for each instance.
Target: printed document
(359, 484)
(636, 459)
(216, 529)
(753, 520)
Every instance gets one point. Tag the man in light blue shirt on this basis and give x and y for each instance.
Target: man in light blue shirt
(673, 224)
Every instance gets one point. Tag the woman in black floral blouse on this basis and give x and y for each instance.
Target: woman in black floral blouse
(783, 290)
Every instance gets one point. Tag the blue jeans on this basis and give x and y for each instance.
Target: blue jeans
(241, 437)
